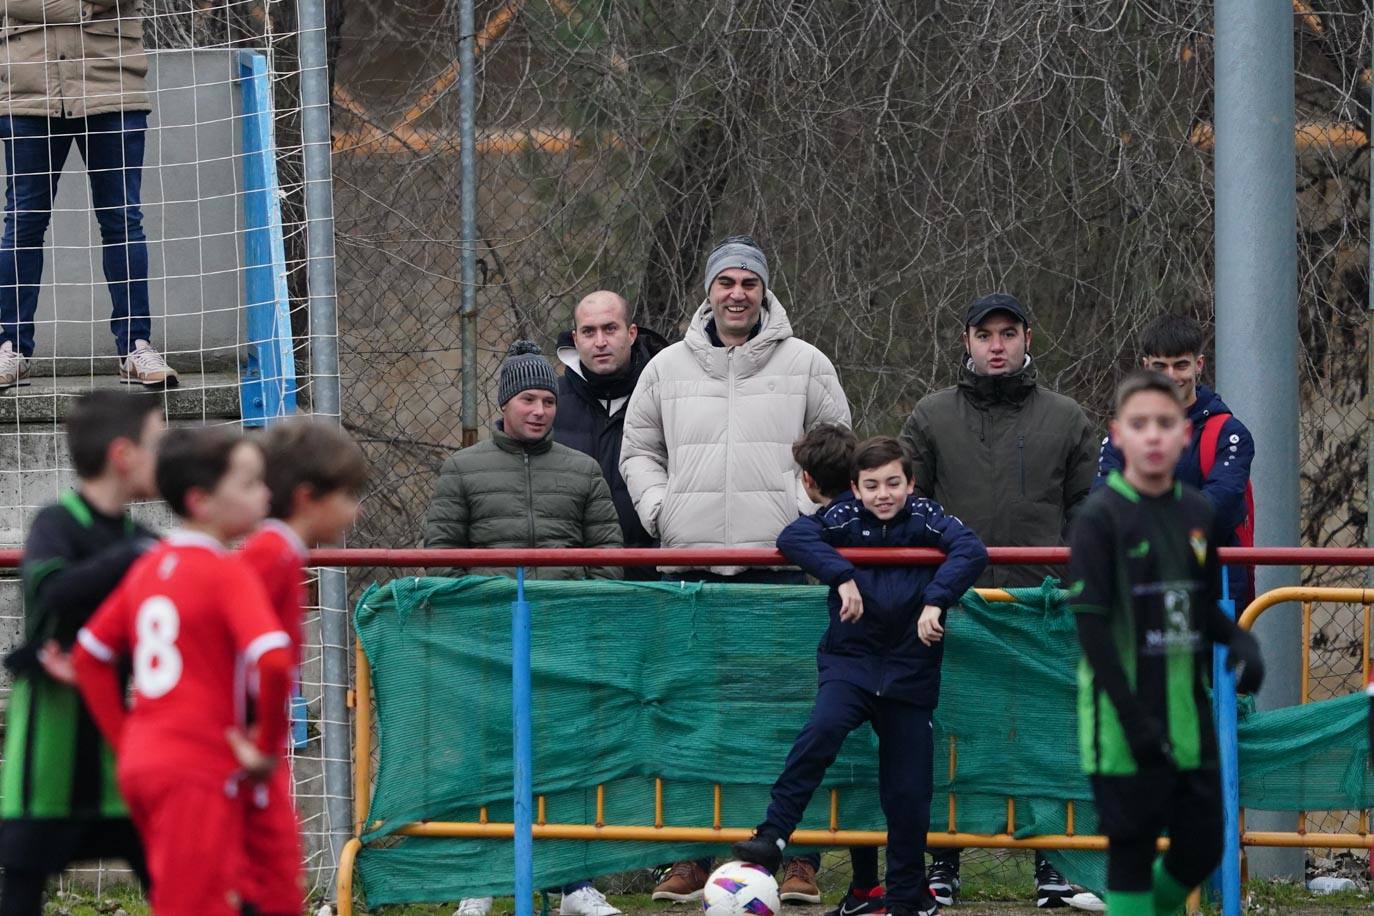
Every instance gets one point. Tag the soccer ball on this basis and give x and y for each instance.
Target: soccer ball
(741, 889)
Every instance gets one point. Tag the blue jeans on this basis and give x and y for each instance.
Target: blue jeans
(35, 149)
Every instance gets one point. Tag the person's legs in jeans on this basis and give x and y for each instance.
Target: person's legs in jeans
(35, 150)
(906, 780)
(112, 145)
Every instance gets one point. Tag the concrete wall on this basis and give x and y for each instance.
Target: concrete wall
(192, 215)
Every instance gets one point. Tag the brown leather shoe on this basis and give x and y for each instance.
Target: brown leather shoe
(799, 882)
(682, 884)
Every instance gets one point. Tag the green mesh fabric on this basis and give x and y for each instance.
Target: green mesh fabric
(704, 684)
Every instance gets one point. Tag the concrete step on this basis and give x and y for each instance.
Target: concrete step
(48, 398)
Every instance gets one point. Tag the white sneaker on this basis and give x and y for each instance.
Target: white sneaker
(1087, 900)
(586, 901)
(473, 906)
(145, 366)
(14, 368)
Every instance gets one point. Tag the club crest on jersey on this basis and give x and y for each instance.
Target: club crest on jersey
(1198, 541)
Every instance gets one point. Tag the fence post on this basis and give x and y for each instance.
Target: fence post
(1369, 333)
(467, 230)
(324, 399)
(523, 748)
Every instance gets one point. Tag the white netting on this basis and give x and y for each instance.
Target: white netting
(223, 214)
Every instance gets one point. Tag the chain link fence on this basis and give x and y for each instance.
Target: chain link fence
(894, 157)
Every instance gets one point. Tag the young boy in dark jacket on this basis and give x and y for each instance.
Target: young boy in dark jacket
(879, 659)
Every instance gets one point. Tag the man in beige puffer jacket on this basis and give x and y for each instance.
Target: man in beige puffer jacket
(73, 72)
(707, 452)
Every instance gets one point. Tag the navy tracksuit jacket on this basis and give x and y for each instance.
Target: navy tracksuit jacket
(876, 669)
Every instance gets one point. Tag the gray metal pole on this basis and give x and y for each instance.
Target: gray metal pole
(1257, 316)
(467, 180)
(324, 398)
(1369, 327)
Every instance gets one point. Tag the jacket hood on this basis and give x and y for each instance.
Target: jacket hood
(987, 390)
(774, 328)
(647, 342)
(1208, 404)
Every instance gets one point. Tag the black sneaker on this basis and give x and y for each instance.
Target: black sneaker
(861, 902)
(759, 849)
(927, 907)
(943, 878)
(1051, 888)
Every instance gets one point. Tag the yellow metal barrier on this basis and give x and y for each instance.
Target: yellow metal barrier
(361, 699)
(1306, 596)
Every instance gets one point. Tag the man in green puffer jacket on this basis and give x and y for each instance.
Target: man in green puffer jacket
(520, 488)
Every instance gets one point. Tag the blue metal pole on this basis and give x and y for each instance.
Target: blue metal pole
(1224, 699)
(524, 754)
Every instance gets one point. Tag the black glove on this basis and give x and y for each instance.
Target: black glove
(1149, 744)
(1245, 655)
(23, 660)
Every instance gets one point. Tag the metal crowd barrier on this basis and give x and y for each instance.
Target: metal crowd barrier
(531, 824)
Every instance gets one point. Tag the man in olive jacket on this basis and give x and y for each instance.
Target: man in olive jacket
(520, 488)
(1013, 460)
(73, 72)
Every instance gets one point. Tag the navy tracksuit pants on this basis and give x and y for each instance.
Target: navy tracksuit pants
(905, 776)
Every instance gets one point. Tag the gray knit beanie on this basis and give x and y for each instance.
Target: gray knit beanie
(524, 368)
(737, 251)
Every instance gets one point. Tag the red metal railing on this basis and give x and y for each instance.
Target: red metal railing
(642, 556)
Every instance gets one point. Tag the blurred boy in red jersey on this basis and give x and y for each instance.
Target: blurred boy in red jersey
(315, 474)
(197, 624)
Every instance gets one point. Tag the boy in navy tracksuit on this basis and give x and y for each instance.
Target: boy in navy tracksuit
(879, 659)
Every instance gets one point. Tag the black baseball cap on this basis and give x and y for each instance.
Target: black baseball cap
(984, 306)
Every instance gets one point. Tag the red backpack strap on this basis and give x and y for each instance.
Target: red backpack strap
(1207, 457)
(1207, 446)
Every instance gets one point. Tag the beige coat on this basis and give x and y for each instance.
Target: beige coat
(72, 58)
(707, 454)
